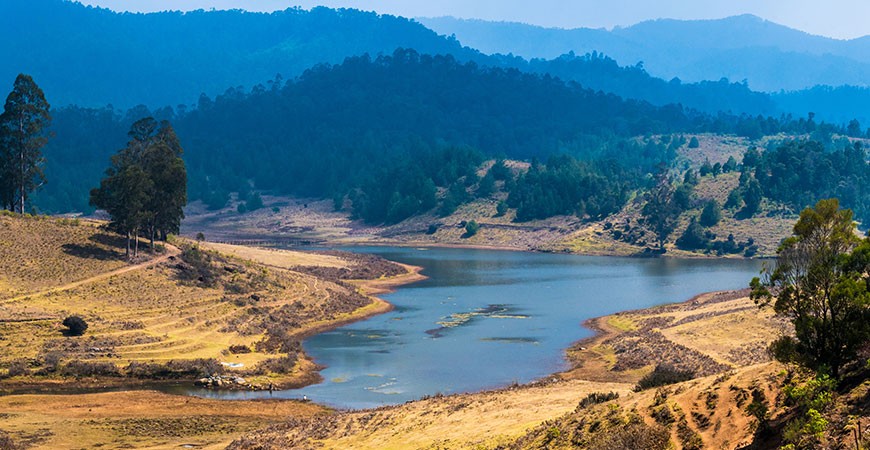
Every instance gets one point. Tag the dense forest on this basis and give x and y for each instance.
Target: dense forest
(799, 173)
(387, 133)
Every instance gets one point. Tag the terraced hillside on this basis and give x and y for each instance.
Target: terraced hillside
(188, 311)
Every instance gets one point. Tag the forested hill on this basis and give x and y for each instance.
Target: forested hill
(601, 72)
(93, 57)
(334, 126)
(379, 127)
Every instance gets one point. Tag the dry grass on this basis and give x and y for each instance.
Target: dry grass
(38, 253)
(138, 419)
(709, 334)
(482, 420)
(284, 259)
(711, 410)
(713, 148)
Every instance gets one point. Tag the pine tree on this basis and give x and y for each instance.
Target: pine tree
(22, 135)
(660, 212)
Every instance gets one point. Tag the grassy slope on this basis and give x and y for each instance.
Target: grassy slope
(38, 254)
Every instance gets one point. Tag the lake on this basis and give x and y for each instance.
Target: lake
(485, 319)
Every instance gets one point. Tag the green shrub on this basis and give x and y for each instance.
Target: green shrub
(596, 398)
(471, 228)
(711, 215)
(663, 375)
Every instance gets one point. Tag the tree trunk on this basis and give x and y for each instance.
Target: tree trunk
(136, 249)
(152, 238)
(21, 181)
(128, 245)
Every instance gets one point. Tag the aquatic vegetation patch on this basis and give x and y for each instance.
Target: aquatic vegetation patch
(495, 311)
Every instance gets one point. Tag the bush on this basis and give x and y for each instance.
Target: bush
(255, 202)
(174, 369)
(711, 215)
(78, 368)
(663, 375)
(284, 364)
(76, 326)
(693, 143)
(694, 238)
(471, 228)
(633, 435)
(238, 349)
(18, 368)
(6, 442)
(596, 398)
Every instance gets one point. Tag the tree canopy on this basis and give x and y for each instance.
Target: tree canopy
(820, 282)
(145, 187)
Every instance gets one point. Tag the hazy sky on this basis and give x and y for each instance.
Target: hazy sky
(835, 18)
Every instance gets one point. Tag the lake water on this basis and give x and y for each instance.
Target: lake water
(485, 319)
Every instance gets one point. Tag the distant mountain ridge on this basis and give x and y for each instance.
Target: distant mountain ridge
(92, 57)
(766, 54)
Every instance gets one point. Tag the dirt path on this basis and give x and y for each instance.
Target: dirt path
(171, 251)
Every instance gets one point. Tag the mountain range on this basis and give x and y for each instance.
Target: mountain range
(769, 56)
(93, 57)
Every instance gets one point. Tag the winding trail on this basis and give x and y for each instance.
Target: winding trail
(171, 251)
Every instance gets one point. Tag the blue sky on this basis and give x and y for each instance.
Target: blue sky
(835, 18)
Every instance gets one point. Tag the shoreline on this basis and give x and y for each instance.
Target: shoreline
(351, 243)
(309, 370)
(371, 289)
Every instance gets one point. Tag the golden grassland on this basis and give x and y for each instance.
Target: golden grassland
(138, 419)
(40, 253)
(284, 259)
(482, 420)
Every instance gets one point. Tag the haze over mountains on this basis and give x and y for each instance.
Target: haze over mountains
(93, 57)
(769, 56)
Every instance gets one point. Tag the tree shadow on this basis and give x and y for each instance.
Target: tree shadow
(109, 240)
(91, 251)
